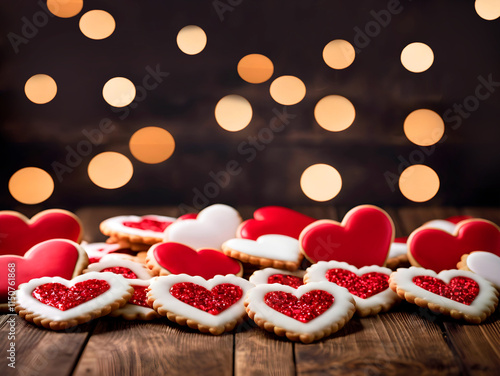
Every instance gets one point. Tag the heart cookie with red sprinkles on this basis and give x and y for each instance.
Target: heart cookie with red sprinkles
(369, 285)
(283, 277)
(56, 303)
(137, 307)
(117, 264)
(212, 306)
(458, 293)
(308, 313)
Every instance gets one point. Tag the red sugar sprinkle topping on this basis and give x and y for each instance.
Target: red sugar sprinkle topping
(214, 301)
(139, 297)
(363, 286)
(59, 296)
(148, 224)
(460, 289)
(309, 306)
(126, 272)
(285, 279)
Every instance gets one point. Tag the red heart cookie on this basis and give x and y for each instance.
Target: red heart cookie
(56, 257)
(274, 220)
(438, 250)
(363, 238)
(175, 258)
(18, 233)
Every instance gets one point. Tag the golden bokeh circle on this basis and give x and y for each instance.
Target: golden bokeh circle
(255, 68)
(191, 40)
(97, 24)
(334, 113)
(110, 170)
(339, 54)
(419, 183)
(65, 8)
(287, 90)
(233, 113)
(31, 185)
(152, 145)
(119, 92)
(40, 88)
(321, 182)
(424, 127)
(417, 57)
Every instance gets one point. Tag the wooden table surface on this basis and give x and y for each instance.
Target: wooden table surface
(408, 340)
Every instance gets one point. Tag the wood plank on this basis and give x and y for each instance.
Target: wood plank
(415, 216)
(120, 347)
(41, 351)
(491, 214)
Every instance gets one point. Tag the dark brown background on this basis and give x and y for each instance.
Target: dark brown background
(293, 35)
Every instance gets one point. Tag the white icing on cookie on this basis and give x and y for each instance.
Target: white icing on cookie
(260, 277)
(486, 264)
(274, 247)
(213, 226)
(441, 224)
(111, 261)
(342, 304)
(160, 291)
(131, 309)
(317, 273)
(487, 293)
(118, 288)
(398, 249)
(115, 224)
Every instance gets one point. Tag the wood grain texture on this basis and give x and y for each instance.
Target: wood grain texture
(412, 217)
(120, 347)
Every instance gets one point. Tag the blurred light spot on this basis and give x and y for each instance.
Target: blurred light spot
(233, 113)
(321, 182)
(287, 90)
(417, 57)
(97, 24)
(488, 9)
(110, 170)
(255, 68)
(191, 39)
(152, 145)
(334, 113)
(119, 92)
(40, 88)
(31, 185)
(339, 54)
(65, 8)
(424, 127)
(419, 183)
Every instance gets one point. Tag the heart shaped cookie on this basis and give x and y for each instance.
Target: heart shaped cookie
(369, 285)
(362, 239)
(57, 303)
(175, 258)
(117, 264)
(458, 293)
(56, 257)
(308, 313)
(96, 251)
(283, 277)
(212, 227)
(486, 264)
(437, 249)
(19, 234)
(137, 307)
(278, 251)
(211, 306)
(274, 220)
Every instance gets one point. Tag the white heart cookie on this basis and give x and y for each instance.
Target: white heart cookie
(115, 227)
(117, 261)
(213, 226)
(485, 264)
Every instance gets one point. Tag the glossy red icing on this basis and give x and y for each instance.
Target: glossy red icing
(274, 220)
(214, 301)
(363, 286)
(53, 258)
(18, 236)
(139, 297)
(63, 298)
(438, 250)
(178, 258)
(309, 306)
(188, 216)
(148, 224)
(286, 279)
(458, 218)
(460, 289)
(126, 272)
(402, 239)
(363, 239)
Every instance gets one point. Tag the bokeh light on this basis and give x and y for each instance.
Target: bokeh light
(31, 185)
(255, 68)
(152, 145)
(287, 90)
(233, 113)
(118, 92)
(65, 8)
(419, 183)
(97, 24)
(339, 54)
(488, 9)
(334, 113)
(321, 182)
(417, 57)
(424, 127)
(40, 88)
(110, 170)
(191, 40)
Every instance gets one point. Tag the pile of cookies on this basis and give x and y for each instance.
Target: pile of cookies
(293, 275)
